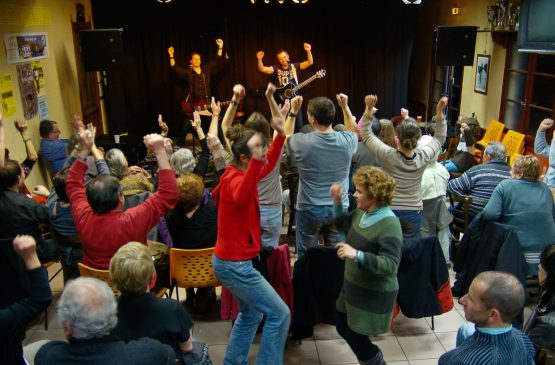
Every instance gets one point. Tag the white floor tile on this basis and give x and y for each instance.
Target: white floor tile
(425, 346)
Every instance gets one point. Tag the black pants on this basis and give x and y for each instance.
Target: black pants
(361, 345)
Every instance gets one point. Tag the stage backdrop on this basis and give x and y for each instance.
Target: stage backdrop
(364, 45)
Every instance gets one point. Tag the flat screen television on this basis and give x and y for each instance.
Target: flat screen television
(536, 31)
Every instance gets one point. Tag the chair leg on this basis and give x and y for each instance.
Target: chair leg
(46, 319)
(433, 324)
(177, 292)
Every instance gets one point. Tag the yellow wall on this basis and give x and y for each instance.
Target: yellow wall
(473, 12)
(62, 91)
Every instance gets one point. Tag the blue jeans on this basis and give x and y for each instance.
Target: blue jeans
(310, 223)
(255, 297)
(410, 220)
(270, 224)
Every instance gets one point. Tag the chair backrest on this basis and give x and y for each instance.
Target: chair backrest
(514, 142)
(493, 133)
(48, 166)
(461, 212)
(192, 268)
(512, 158)
(103, 275)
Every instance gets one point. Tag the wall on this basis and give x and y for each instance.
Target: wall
(59, 68)
(473, 12)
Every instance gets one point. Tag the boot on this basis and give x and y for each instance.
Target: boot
(376, 360)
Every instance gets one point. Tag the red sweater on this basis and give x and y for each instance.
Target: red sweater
(236, 196)
(102, 234)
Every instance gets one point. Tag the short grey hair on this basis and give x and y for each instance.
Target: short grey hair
(117, 163)
(88, 305)
(182, 161)
(504, 292)
(496, 150)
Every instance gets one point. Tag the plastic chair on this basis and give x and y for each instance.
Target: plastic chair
(493, 134)
(103, 275)
(512, 158)
(514, 142)
(191, 269)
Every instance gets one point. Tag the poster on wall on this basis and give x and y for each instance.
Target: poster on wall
(38, 75)
(7, 96)
(28, 90)
(43, 108)
(22, 47)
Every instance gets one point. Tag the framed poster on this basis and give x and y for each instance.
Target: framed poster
(23, 47)
(482, 73)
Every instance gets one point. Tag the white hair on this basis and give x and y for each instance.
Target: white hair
(182, 161)
(88, 305)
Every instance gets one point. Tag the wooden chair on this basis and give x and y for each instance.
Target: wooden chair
(103, 275)
(493, 134)
(514, 143)
(191, 269)
(460, 208)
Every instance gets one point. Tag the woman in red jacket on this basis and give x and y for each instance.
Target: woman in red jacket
(239, 240)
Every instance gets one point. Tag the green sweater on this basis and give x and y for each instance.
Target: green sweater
(370, 289)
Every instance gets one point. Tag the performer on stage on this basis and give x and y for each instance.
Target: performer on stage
(286, 72)
(198, 80)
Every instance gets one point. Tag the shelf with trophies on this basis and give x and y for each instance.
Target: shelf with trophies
(503, 21)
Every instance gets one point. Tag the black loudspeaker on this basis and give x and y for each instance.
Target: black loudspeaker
(454, 46)
(101, 49)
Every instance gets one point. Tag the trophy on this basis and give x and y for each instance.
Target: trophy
(501, 11)
(491, 16)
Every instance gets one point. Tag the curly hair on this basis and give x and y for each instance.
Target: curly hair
(191, 189)
(529, 166)
(377, 184)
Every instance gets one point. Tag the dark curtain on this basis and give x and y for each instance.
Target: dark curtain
(365, 47)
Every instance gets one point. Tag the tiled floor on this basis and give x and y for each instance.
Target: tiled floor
(412, 341)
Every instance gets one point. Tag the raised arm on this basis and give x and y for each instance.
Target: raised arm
(309, 61)
(265, 69)
(348, 119)
(220, 44)
(540, 144)
(22, 127)
(238, 94)
(441, 123)
(296, 104)
(368, 137)
(216, 108)
(171, 51)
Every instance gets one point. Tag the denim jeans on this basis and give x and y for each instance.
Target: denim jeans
(256, 298)
(410, 220)
(270, 224)
(310, 223)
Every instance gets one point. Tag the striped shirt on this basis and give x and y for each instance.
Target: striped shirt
(479, 182)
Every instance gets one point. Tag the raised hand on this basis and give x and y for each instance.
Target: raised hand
(155, 142)
(307, 47)
(441, 104)
(21, 125)
(296, 103)
(270, 90)
(196, 120)
(260, 55)
(239, 92)
(342, 100)
(220, 42)
(86, 140)
(77, 122)
(215, 106)
(25, 246)
(404, 113)
(336, 192)
(370, 101)
(545, 124)
(213, 143)
(171, 51)
(163, 126)
(285, 107)
(168, 145)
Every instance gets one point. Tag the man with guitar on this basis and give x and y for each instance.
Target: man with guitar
(285, 74)
(197, 77)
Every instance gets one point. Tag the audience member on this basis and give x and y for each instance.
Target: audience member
(97, 210)
(321, 150)
(492, 303)
(239, 241)
(15, 317)
(87, 310)
(406, 164)
(133, 180)
(372, 257)
(480, 181)
(527, 204)
(463, 159)
(543, 149)
(541, 324)
(51, 146)
(165, 320)
(193, 224)
(183, 161)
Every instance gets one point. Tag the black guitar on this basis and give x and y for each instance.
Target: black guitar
(290, 91)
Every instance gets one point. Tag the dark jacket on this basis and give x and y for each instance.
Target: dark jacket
(487, 245)
(424, 286)
(317, 280)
